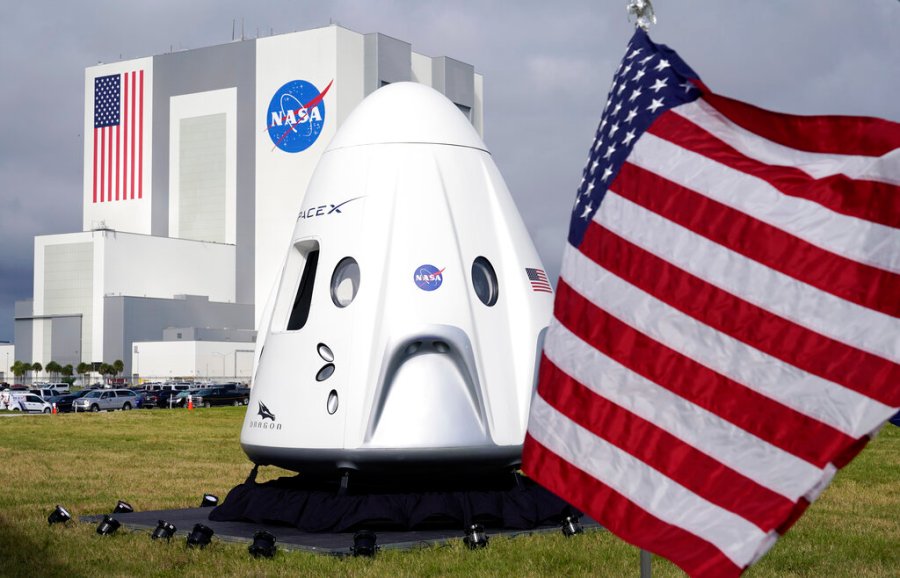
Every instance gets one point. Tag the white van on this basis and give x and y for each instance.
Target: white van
(29, 403)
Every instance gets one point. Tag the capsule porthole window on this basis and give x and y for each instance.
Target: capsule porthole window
(332, 404)
(345, 282)
(484, 281)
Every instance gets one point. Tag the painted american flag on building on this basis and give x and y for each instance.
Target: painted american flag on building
(118, 149)
(725, 333)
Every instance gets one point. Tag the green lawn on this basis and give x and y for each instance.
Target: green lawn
(167, 458)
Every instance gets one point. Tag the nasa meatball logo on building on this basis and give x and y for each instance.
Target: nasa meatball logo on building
(296, 115)
(428, 277)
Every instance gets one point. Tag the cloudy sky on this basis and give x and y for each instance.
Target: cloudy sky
(547, 68)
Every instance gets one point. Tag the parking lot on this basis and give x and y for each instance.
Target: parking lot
(18, 400)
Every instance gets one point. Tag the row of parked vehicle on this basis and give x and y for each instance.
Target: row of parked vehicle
(151, 396)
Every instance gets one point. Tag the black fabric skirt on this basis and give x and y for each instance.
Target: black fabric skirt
(313, 505)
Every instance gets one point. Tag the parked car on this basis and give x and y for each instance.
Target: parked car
(29, 403)
(64, 402)
(61, 387)
(169, 387)
(161, 398)
(45, 393)
(108, 399)
(217, 396)
(140, 396)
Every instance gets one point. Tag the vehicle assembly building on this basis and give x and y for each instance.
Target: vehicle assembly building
(195, 167)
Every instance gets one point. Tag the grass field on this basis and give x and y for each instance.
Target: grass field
(168, 458)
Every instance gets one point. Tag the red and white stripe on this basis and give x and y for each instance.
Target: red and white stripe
(118, 151)
(727, 336)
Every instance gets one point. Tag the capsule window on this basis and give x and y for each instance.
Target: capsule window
(303, 300)
(484, 280)
(345, 282)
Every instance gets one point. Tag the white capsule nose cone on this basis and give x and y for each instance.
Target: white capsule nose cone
(406, 112)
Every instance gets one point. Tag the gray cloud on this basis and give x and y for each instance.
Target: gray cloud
(547, 67)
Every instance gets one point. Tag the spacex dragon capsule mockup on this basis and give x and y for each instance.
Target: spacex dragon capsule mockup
(404, 333)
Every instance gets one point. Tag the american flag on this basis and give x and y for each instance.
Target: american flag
(539, 281)
(725, 333)
(118, 137)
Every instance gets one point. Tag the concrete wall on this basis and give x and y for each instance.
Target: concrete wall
(133, 319)
(146, 266)
(7, 358)
(387, 60)
(24, 329)
(208, 70)
(119, 264)
(65, 341)
(213, 360)
(209, 334)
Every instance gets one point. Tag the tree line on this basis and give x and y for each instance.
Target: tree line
(66, 372)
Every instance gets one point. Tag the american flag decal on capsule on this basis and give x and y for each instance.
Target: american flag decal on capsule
(539, 281)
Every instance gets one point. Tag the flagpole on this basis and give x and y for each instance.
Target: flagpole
(642, 10)
(646, 559)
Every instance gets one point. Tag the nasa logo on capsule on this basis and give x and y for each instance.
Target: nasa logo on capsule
(296, 115)
(428, 277)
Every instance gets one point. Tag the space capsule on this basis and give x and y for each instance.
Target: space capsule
(404, 332)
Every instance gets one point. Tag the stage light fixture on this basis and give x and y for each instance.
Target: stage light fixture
(200, 536)
(364, 543)
(475, 537)
(123, 508)
(263, 545)
(571, 526)
(209, 500)
(108, 526)
(163, 530)
(59, 515)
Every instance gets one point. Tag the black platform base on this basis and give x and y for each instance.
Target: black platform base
(288, 538)
(322, 515)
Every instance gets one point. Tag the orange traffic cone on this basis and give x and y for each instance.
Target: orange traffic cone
(55, 411)
(190, 404)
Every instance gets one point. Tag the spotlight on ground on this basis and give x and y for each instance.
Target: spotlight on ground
(163, 530)
(123, 508)
(200, 536)
(209, 501)
(571, 526)
(59, 515)
(364, 543)
(263, 545)
(108, 526)
(475, 537)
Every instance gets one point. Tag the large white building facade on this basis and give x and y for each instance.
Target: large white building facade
(195, 167)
